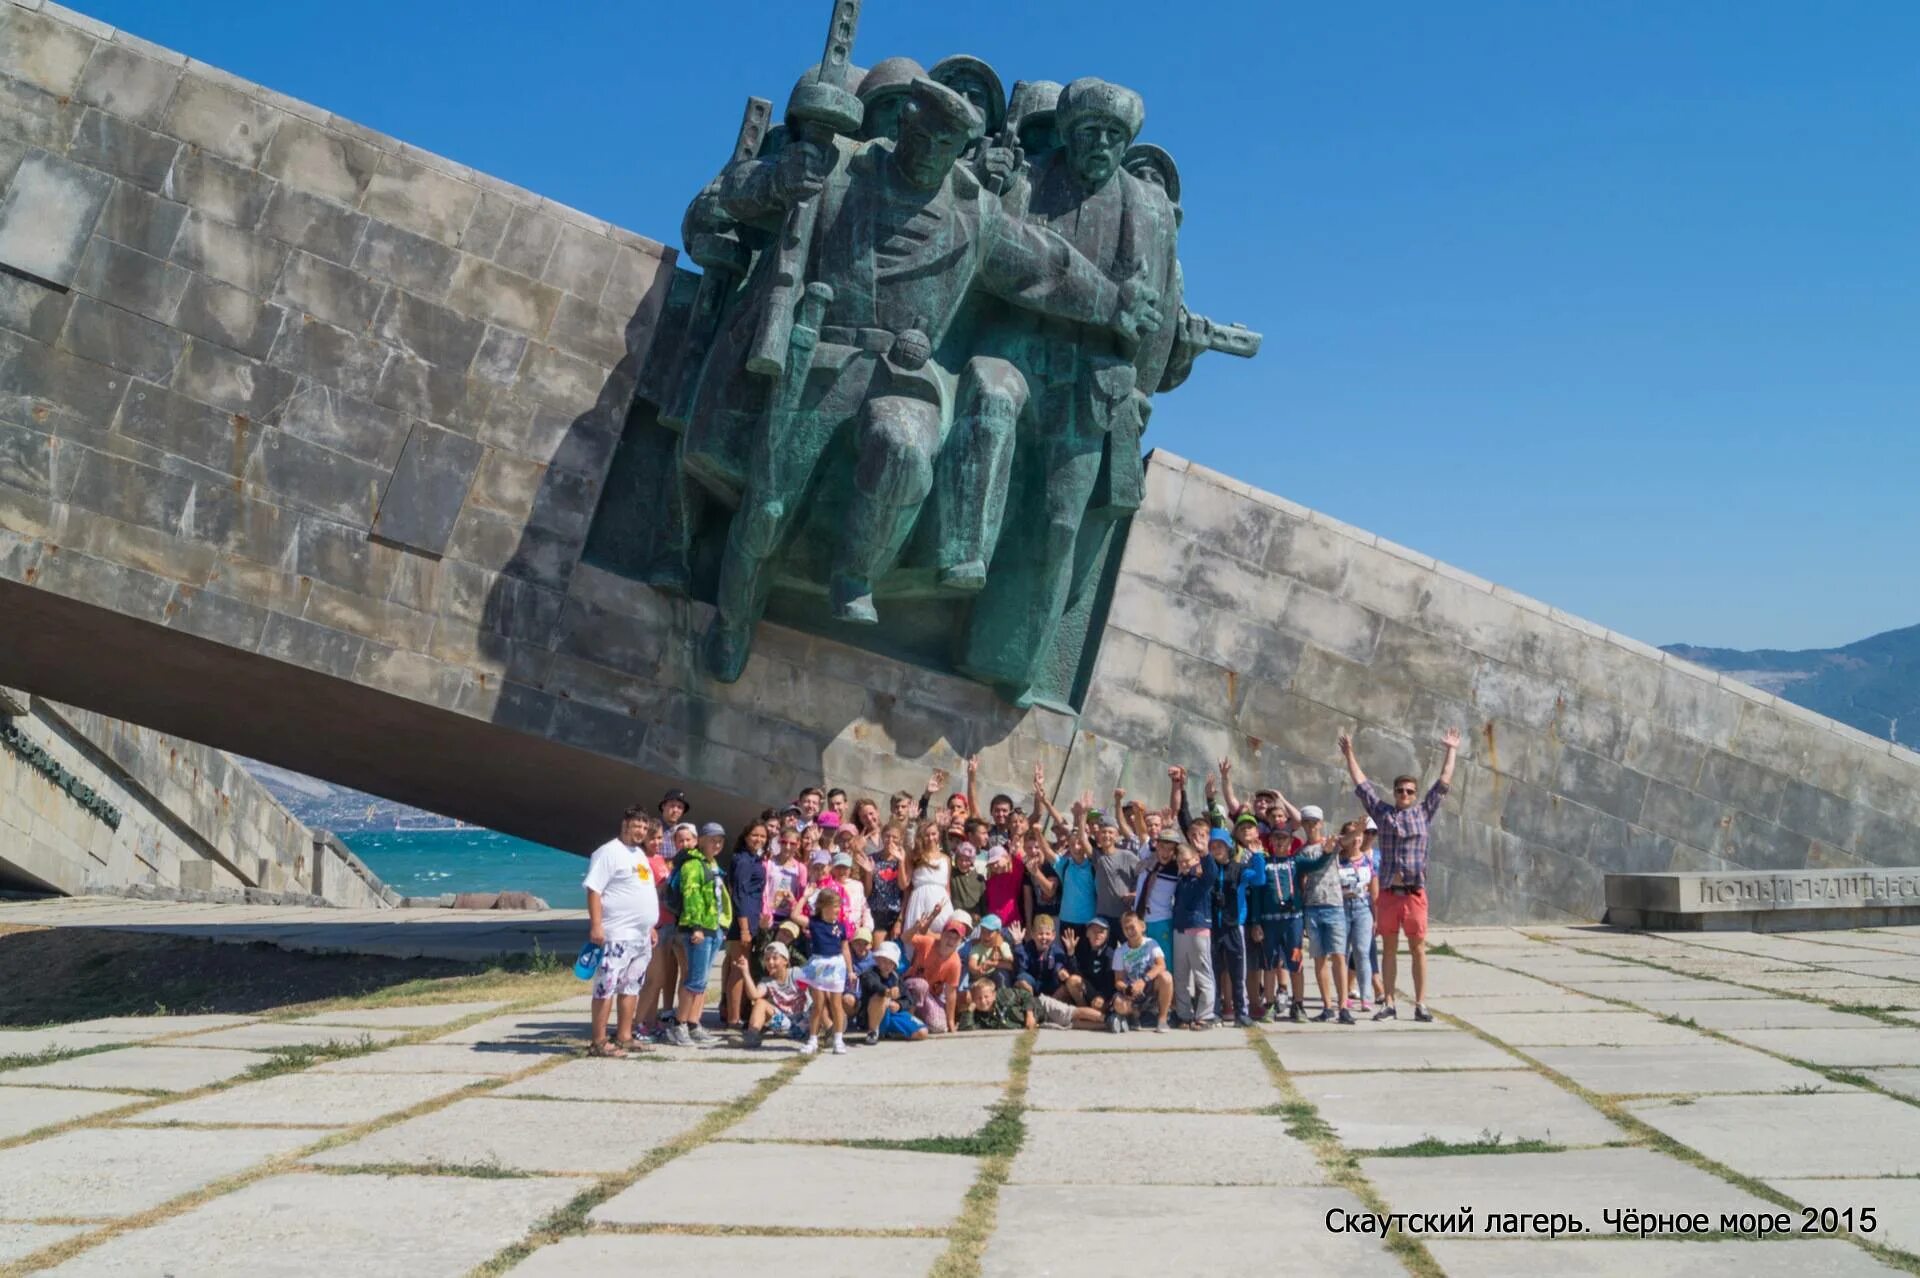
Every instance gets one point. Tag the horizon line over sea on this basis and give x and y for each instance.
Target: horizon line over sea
(432, 862)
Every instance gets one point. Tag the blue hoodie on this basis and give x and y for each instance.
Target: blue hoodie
(1193, 897)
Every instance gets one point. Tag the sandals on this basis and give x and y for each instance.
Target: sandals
(609, 1051)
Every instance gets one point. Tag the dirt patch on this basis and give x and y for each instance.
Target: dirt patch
(59, 975)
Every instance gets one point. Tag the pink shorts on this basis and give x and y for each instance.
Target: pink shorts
(1397, 912)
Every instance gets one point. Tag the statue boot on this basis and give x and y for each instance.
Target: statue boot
(896, 442)
(975, 471)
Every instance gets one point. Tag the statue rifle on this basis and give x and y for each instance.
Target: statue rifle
(762, 521)
(1229, 339)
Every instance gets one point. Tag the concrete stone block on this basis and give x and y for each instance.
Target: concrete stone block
(341, 297)
(306, 643)
(1735, 781)
(503, 297)
(214, 375)
(429, 483)
(33, 117)
(1515, 696)
(528, 242)
(47, 215)
(314, 225)
(580, 262)
(1519, 1105)
(206, 436)
(218, 188)
(229, 317)
(583, 329)
(307, 477)
(31, 308)
(214, 248)
(1706, 1067)
(141, 220)
(487, 225)
(341, 555)
(373, 619)
(1757, 843)
(560, 380)
(794, 1257)
(1600, 783)
(119, 339)
(223, 619)
(530, 1135)
(101, 1173)
(321, 161)
(123, 149)
(124, 82)
(351, 363)
(1540, 816)
(335, 420)
(410, 195)
(427, 331)
(44, 52)
(498, 359)
(219, 119)
(398, 256)
(130, 280)
(636, 278)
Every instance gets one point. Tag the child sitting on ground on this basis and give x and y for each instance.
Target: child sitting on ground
(884, 1001)
(990, 957)
(777, 1000)
(1040, 961)
(825, 975)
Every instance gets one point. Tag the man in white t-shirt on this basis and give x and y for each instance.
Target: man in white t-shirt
(623, 908)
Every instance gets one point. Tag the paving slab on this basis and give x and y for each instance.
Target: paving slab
(1552, 1001)
(863, 1111)
(1667, 987)
(1886, 1045)
(523, 1135)
(137, 1028)
(670, 1080)
(523, 1027)
(164, 1069)
(64, 1038)
(97, 1173)
(1853, 1134)
(1833, 987)
(306, 1099)
(453, 1058)
(308, 1223)
(1578, 1029)
(1447, 980)
(582, 1003)
(265, 1036)
(1374, 1111)
(734, 1254)
(1582, 1183)
(1906, 998)
(416, 1017)
(1047, 1230)
(1703, 1067)
(1055, 1041)
(1901, 1082)
(946, 1058)
(1438, 1049)
(1895, 1203)
(1158, 1080)
(843, 1188)
(20, 1240)
(25, 1109)
(1529, 1258)
(1759, 1013)
(1067, 1148)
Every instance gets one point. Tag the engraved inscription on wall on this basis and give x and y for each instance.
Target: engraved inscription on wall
(1784, 891)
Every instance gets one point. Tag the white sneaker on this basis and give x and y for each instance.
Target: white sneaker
(811, 1047)
(839, 1045)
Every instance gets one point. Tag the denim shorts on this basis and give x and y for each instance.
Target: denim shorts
(700, 961)
(1280, 941)
(1327, 929)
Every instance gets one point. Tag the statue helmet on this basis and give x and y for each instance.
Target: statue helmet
(948, 69)
(889, 75)
(942, 107)
(1031, 100)
(1148, 156)
(1092, 96)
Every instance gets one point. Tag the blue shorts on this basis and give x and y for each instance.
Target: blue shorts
(780, 1025)
(1280, 941)
(700, 961)
(1327, 926)
(900, 1025)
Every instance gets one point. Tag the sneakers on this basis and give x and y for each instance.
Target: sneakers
(873, 1037)
(1113, 1023)
(1297, 1012)
(1326, 1014)
(1160, 1026)
(811, 1047)
(1420, 1012)
(1387, 1012)
(677, 1036)
(750, 1038)
(1243, 1021)
(1346, 1016)
(1366, 1005)
(700, 1036)
(839, 1045)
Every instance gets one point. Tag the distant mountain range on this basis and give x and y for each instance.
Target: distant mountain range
(1872, 685)
(321, 805)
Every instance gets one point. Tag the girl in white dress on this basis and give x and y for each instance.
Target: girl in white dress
(929, 867)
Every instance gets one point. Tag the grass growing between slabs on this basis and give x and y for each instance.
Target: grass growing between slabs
(1489, 1143)
(1004, 1133)
(296, 1057)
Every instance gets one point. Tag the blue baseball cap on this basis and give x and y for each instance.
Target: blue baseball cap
(1219, 835)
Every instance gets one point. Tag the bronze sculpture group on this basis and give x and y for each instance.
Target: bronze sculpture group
(925, 304)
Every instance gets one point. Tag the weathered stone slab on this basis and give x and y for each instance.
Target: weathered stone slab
(1881, 1046)
(20, 1240)
(1704, 1067)
(25, 1109)
(1758, 1013)
(921, 1191)
(523, 1027)
(1855, 1134)
(448, 1058)
(1670, 987)
(1895, 1203)
(661, 1079)
(947, 1058)
(166, 1069)
(1163, 1080)
(307, 1099)
(1068, 1148)
(1904, 1082)
(1579, 1182)
(103, 1172)
(429, 483)
(1449, 979)
(47, 214)
(883, 1113)
(369, 1226)
(739, 1254)
(1618, 1028)
(59, 1039)
(1467, 1005)
(1462, 1258)
(1359, 1050)
(1458, 1108)
(427, 1014)
(525, 1135)
(137, 1028)
(1175, 1229)
(1055, 1042)
(266, 1035)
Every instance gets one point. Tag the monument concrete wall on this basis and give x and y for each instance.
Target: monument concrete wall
(302, 431)
(1247, 627)
(164, 814)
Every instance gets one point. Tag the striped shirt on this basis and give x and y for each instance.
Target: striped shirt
(1404, 834)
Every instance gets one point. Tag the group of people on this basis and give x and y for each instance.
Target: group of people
(827, 918)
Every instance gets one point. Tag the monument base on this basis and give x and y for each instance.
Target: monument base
(1792, 901)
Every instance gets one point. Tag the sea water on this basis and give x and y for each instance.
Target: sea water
(430, 862)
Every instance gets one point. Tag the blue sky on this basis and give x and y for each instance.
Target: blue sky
(1616, 304)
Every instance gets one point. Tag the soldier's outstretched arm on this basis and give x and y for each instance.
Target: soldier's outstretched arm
(759, 191)
(1034, 268)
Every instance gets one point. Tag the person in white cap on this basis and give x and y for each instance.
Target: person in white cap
(883, 998)
(778, 1002)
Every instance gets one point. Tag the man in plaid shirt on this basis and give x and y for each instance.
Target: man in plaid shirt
(1405, 826)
